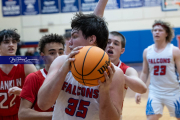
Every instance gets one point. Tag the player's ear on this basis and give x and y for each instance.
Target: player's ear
(166, 34)
(122, 50)
(92, 39)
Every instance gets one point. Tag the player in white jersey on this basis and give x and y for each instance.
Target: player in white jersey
(159, 60)
(73, 100)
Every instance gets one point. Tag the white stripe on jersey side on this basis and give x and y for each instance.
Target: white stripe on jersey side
(43, 73)
(119, 64)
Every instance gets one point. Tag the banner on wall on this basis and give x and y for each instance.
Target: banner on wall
(149, 3)
(69, 6)
(49, 6)
(30, 7)
(10, 8)
(88, 5)
(113, 4)
(132, 3)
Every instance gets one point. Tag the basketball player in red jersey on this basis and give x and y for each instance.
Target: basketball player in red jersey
(50, 46)
(12, 76)
(115, 47)
(71, 104)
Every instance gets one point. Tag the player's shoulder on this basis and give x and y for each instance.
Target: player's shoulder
(130, 71)
(145, 51)
(150, 47)
(118, 70)
(118, 78)
(176, 51)
(33, 75)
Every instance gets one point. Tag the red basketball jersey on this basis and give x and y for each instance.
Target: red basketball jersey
(9, 105)
(123, 67)
(31, 87)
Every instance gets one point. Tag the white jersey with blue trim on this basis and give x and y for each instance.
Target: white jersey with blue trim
(163, 75)
(76, 101)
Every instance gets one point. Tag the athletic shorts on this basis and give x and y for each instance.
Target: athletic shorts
(12, 117)
(156, 103)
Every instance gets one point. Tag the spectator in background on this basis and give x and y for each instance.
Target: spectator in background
(29, 53)
(36, 53)
(67, 37)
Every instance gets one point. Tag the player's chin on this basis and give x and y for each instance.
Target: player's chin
(11, 54)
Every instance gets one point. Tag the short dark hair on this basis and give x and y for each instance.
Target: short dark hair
(90, 24)
(9, 33)
(123, 39)
(49, 39)
(67, 35)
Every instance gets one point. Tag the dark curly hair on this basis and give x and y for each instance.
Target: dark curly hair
(90, 24)
(9, 33)
(49, 39)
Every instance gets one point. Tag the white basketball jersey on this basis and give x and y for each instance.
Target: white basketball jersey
(163, 77)
(76, 101)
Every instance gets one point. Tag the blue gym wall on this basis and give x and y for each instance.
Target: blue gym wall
(137, 41)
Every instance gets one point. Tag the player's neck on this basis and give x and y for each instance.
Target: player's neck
(116, 62)
(6, 68)
(47, 67)
(160, 45)
(6, 65)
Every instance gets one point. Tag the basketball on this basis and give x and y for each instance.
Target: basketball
(89, 65)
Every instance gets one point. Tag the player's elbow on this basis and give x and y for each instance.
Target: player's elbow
(143, 90)
(42, 105)
(22, 114)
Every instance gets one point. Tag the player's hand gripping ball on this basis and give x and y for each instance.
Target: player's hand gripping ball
(89, 65)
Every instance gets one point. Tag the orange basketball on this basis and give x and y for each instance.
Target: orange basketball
(89, 65)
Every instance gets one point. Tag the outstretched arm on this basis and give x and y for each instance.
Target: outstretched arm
(99, 10)
(134, 82)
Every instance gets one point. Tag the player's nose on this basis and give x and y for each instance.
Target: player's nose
(111, 44)
(70, 41)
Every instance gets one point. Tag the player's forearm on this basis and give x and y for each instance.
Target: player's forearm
(49, 91)
(107, 110)
(144, 77)
(30, 114)
(99, 10)
(136, 84)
